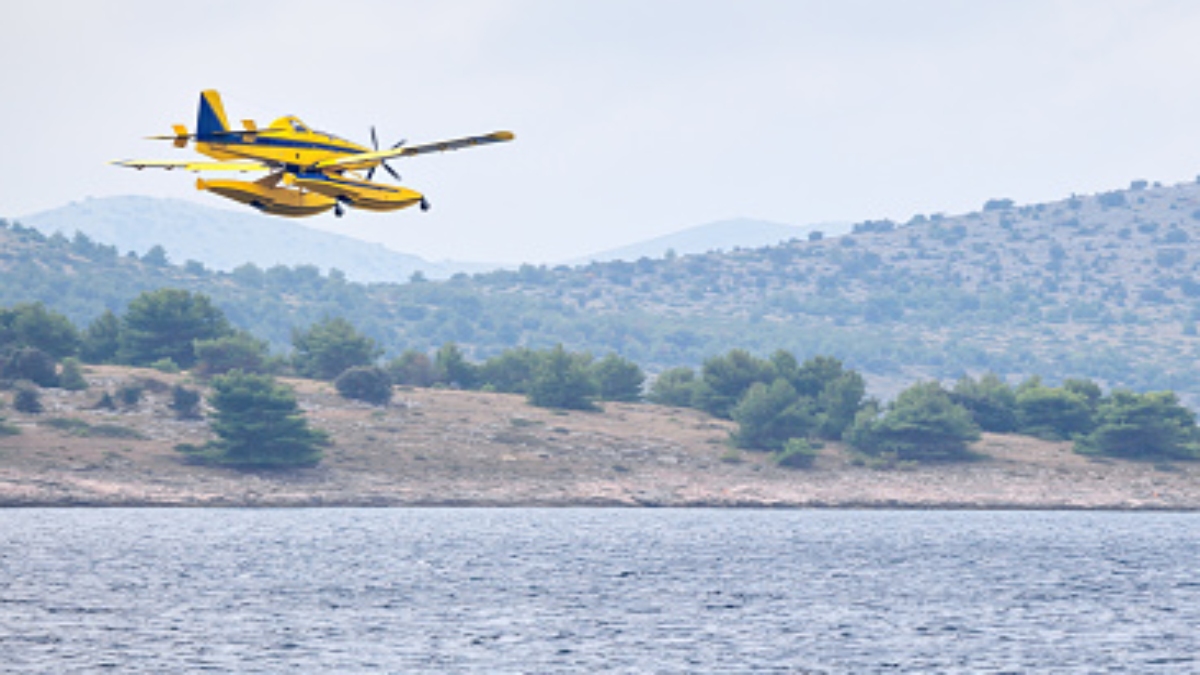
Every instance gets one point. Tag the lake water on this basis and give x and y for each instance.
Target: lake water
(597, 590)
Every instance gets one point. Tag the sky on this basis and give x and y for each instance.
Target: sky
(633, 118)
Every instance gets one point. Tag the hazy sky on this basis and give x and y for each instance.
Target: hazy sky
(633, 118)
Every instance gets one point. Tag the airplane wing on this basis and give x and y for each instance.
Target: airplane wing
(192, 166)
(367, 159)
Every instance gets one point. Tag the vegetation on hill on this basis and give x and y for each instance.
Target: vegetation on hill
(1105, 286)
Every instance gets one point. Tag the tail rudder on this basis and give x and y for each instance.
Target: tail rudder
(210, 119)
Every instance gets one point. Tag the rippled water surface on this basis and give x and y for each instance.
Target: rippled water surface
(595, 590)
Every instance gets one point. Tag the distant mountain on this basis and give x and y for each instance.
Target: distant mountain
(723, 235)
(223, 240)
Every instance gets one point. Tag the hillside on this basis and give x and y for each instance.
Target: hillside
(438, 447)
(724, 235)
(1103, 286)
(223, 239)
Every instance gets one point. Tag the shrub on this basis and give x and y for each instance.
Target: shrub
(165, 365)
(365, 383)
(768, 417)
(71, 377)
(618, 379)
(453, 369)
(562, 381)
(185, 402)
(1053, 413)
(796, 454)
(675, 386)
(30, 363)
(726, 379)
(326, 349)
(130, 394)
(922, 424)
(1143, 426)
(164, 324)
(27, 399)
(258, 423)
(991, 402)
(240, 351)
(412, 368)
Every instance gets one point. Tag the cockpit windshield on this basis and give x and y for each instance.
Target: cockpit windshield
(297, 126)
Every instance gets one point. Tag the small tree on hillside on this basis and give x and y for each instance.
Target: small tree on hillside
(510, 371)
(562, 381)
(29, 363)
(365, 383)
(991, 402)
(922, 424)
(164, 324)
(329, 347)
(1143, 426)
(1053, 413)
(102, 339)
(258, 424)
(674, 386)
(726, 379)
(769, 416)
(412, 369)
(239, 351)
(453, 368)
(618, 379)
(32, 325)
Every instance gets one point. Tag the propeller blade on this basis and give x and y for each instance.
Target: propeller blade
(374, 140)
(391, 171)
(399, 143)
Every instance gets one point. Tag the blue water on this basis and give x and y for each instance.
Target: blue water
(597, 590)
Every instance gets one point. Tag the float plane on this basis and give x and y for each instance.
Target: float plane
(307, 171)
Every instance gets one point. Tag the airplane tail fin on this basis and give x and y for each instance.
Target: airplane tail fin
(210, 119)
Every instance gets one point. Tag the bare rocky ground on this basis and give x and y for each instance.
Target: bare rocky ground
(436, 447)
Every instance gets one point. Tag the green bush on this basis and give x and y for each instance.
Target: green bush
(165, 365)
(130, 394)
(674, 386)
(797, 453)
(327, 348)
(991, 402)
(185, 402)
(1143, 426)
(769, 416)
(922, 424)
(30, 363)
(258, 424)
(365, 383)
(27, 399)
(453, 369)
(240, 351)
(724, 380)
(164, 324)
(412, 369)
(71, 376)
(618, 379)
(562, 381)
(1053, 413)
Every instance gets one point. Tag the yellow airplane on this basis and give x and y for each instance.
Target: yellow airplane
(308, 171)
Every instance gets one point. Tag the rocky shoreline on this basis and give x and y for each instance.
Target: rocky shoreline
(437, 448)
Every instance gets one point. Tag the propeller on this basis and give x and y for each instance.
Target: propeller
(383, 162)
